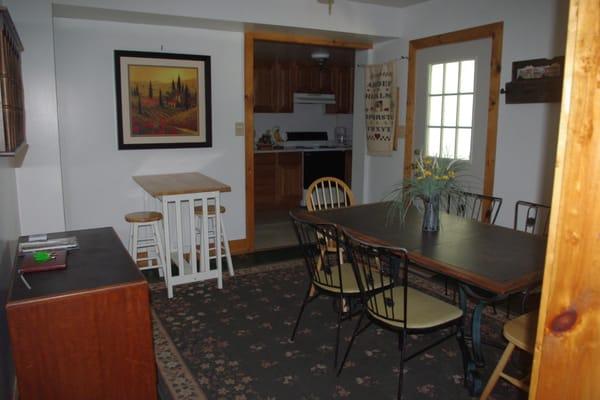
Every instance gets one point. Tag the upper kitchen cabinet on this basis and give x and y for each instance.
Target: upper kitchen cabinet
(342, 86)
(282, 69)
(274, 87)
(264, 87)
(310, 78)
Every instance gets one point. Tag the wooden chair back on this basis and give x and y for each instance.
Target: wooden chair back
(328, 192)
(475, 206)
(532, 218)
(314, 240)
(374, 264)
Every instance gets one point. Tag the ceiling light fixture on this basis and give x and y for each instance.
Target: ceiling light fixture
(320, 56)
(328, 2)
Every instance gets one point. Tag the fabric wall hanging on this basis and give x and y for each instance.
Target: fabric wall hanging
(381, 108)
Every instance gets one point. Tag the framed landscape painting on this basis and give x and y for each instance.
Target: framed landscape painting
(163, 100)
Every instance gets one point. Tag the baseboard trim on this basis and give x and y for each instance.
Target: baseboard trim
(240, 246)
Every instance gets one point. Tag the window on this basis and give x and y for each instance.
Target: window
(450, 109)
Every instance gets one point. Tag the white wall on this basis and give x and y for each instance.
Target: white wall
(527, 133)
(306, 117)
(9, 231)
(347, 16)
(98, 188)
(384, 172)
(39, 179)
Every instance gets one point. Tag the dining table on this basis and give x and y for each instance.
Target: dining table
(489, 262)
(177, 195)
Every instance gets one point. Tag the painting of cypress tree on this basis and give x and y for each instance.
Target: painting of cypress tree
(163, 101)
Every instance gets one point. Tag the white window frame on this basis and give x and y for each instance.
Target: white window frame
(442, 95)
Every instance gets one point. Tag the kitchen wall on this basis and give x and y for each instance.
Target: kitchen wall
(9, 232)
(527, 133)
(306, 117)
(98, 188)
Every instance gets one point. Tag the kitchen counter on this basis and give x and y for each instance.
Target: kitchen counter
(303, 149)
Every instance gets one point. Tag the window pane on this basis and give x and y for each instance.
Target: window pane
(448, 141)
(436, 79)
(450, 110)
(467, 76)
(433, 142)
(463, 150)
(435, 110)
(465, 110)
(451, 78)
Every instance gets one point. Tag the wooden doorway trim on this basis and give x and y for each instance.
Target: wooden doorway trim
(565, 364)
(249, 39)
(493, 31)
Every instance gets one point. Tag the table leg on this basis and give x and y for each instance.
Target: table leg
(475, 358)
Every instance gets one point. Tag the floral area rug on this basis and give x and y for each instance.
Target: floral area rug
(234, 344)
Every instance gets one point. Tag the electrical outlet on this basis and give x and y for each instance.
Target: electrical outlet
(239, 129)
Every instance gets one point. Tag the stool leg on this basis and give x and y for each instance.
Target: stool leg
(134, 253)
(497, 371)
(227, 250)
(130, 247)
(160, 250)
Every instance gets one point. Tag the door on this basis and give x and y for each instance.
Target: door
(452, 84)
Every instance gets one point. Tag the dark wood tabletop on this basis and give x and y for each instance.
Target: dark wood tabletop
(100, 261)
(491, 257)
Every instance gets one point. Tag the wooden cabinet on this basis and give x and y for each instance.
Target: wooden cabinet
(277, 180)
(342, 85)
(264, 87)
(289, 179)
(285, 75)
(276, 82)
(84, 332)
(265, 180)
(274, 85)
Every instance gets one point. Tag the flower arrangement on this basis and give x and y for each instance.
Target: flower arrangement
(432, 178)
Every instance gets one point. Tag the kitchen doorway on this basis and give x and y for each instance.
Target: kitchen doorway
(272, 192)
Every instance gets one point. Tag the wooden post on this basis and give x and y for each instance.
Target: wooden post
(567, 348)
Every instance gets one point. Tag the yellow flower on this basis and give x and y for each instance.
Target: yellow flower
(451, 174)
(427, 173)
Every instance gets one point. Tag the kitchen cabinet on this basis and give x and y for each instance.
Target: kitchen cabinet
(279, 176)
(342, 85)
(277, 180)
(289, 179)
(265, 180)
(285, 74)
(274, 87)
(264, 87)
(276, 82)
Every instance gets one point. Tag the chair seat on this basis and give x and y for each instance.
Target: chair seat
(143, 216)
(211, 210)
(424, 311)
(521, 331)
(350, 285)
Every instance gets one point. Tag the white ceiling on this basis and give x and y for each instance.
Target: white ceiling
(392, 3)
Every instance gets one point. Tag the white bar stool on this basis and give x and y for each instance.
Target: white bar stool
(212, 234)
(151, 243)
